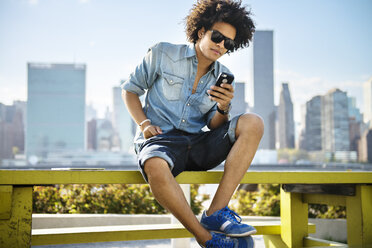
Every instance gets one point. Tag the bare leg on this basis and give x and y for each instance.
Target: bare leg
(170, 195)
(249, 132)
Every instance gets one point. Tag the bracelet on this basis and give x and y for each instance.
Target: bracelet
(144, 130)
(143, 122)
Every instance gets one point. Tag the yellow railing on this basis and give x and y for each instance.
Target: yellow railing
(16, 207)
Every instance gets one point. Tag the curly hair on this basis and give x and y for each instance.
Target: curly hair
(205, 13)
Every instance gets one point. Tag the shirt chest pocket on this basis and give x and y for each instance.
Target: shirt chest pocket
(205, 103)
(172, 86)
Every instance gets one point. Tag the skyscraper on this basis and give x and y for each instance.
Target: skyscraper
(122, 120)
(367, 91)
(335, 121)
(313, 125)
(263, 84)
(11, 129)
(238, 103)
(286, 126)
(55, 109)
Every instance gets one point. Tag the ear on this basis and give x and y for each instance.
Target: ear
(201, 33)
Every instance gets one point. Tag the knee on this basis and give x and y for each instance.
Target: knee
(251, 124)
(157, 170)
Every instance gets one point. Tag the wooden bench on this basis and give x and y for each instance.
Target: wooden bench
(130, 232)
(16, 207)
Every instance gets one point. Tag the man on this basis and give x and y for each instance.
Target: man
(181, 99)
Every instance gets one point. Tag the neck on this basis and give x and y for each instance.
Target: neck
(203, 62)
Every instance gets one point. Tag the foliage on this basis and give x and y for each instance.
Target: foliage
(326, 212)
(266, 202)
(196, 199)
(108, 198)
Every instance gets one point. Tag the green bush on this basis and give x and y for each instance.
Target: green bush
(109, 198)
(266, 202)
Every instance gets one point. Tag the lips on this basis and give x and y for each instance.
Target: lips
(217, 52)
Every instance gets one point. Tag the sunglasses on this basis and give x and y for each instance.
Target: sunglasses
(217, 37)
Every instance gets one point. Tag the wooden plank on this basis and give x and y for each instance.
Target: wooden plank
(47, 177)
(333, 200)
(311, 242)
(129, 232)
(294, 218)
(16, 231)
(366, 206)
(5, 201)
(334, 189)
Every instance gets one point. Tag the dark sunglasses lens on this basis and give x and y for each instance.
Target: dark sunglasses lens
(217, 37)
(229, 44)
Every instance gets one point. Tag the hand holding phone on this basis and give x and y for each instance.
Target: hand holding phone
(224, 78)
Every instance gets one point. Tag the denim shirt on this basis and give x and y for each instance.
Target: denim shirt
(167, 74)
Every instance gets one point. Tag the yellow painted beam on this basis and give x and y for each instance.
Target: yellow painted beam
(366, 201)
(16, 231)
(334, 200)
(294, 218)
(129, 232)
(36, 177)
(314, 242)
(274, 241)
(359, 217)
(106, 234)
(5, 202)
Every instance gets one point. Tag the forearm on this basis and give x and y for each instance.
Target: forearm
(134, 106)
(217, 120)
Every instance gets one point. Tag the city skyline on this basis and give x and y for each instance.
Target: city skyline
(311, 51)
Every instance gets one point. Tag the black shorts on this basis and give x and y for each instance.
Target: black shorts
(189, 152)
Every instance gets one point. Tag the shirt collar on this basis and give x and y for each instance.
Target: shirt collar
(191, 52)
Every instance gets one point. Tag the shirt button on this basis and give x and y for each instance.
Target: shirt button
(183, 120)
(188, 104)
(201, 82)
(171, 81)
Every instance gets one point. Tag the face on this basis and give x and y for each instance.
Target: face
(210, 50)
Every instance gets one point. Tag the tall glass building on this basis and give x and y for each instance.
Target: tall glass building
(56, 109)
(313, 125)
(335, 121)
(263, 84)
(286, 126)
(238, 103)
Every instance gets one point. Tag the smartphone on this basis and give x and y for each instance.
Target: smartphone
(224, 78)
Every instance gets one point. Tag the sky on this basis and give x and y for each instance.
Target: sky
(318, 44)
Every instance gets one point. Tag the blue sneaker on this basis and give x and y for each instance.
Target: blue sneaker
(227, 222)
(220, 240)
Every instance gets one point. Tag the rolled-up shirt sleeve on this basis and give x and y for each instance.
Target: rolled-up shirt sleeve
(145, 73)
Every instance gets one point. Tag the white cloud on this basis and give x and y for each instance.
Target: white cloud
(84, 1)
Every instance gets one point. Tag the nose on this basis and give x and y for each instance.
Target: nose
(221, 44)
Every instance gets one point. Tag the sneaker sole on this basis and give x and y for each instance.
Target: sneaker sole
(238, 234)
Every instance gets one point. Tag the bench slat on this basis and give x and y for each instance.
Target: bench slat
(74, 235)
(49, 177)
